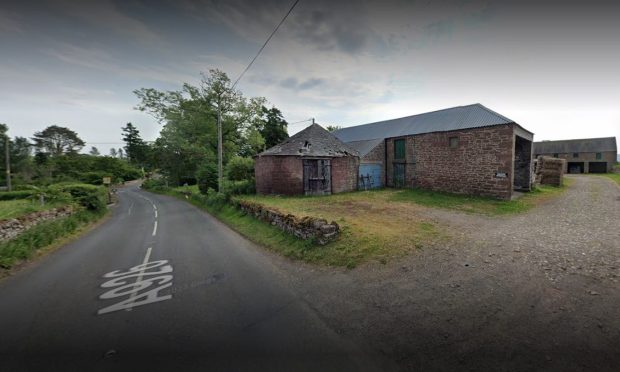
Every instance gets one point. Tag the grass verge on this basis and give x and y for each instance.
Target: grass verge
(613, 176)
(16, 208)
(357, 244)
(481, 205)
(42, 235)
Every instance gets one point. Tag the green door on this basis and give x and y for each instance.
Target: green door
(399, 174)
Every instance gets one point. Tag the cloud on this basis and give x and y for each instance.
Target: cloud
(10, 22)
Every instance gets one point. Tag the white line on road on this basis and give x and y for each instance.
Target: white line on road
(155, 229)
(155, 213)
(139, 279)
(130, 207)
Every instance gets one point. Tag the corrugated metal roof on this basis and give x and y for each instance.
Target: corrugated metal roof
(576, 145)
(364, 147)
(310, 142)
(455, 118)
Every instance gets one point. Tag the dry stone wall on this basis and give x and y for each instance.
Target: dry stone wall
(302, 227)
(11, 228)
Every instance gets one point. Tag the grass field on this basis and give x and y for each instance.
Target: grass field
(375, 225)
(613, 176)
(15, 208)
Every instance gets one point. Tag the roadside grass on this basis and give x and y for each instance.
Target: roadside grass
(16, 208)
(42, 235)
(613, 176)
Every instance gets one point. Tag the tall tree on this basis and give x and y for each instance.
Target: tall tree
(56, 141)
(120, 154)
(273, 127)
(135, 147)
(188, 140)
(113, 152)
(333, 128)
(94, 151)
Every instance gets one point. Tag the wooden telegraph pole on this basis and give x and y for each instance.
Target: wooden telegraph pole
(8, 163)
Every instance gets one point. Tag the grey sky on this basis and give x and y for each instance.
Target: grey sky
(552, 66)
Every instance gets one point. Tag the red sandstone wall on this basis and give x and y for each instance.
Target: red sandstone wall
(470, 168)
(344, 174)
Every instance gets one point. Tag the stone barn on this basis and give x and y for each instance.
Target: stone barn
(589, 155)
(466, 150)
(311, 162)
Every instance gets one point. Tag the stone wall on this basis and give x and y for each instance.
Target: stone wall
(344, 172)
(11, 228)
(549, 170)
(303, 228)
(481, 163)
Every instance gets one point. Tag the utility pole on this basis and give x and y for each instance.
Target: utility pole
(219, 144)
(8, 163)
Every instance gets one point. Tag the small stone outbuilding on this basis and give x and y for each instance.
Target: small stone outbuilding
(311, 162)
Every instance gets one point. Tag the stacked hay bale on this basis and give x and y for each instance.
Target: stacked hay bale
(549, 171)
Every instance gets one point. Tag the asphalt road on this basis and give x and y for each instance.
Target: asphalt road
(163, 285)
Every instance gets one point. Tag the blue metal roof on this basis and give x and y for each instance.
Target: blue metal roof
(455, 118)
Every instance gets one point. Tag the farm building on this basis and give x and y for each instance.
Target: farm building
(312, 162)
(466, 149)
(590, 155)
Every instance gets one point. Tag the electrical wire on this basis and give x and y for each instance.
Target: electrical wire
(265, 44)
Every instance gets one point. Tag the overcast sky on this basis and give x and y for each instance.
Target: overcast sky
(552, 66)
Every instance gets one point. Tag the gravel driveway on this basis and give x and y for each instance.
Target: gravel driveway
(537, 291)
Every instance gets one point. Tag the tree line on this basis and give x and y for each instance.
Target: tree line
(185, 151)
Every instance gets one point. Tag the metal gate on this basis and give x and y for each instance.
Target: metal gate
(317, 177)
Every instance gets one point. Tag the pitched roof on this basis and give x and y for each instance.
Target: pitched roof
(455, 118)
(364, 147)
(576, 145)
(312, 141)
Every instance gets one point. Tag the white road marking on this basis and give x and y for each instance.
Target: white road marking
(146, 260)
(122, 285)
(155, 213)
(155, 229)
(130, 208)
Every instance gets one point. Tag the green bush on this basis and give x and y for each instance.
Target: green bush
(245, 187)
(152, 184)
(240, 169)
(89, 196)
(93, 178)
(14, 195)
(207, 177)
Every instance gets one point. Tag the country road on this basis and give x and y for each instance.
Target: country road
(163, 285)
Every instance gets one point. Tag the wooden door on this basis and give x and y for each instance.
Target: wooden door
(317, 177)
(399, 175)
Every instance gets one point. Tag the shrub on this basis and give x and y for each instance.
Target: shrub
(240, 169)
(14, 195)
(89, 196)
(152, 184)
(93, 178)
(245, 187)
(207, 177)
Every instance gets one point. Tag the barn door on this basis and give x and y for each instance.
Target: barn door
(317, 177)
(399, 175)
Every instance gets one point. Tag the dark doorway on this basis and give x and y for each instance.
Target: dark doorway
(597, 167)
(522, 164)
(575, 167)
(399, 175)
(317, 177)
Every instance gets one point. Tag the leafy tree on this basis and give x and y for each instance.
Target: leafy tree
(188, 139)
(207, 176)
(135, 148)
(94, 151)
(273, 127)
(113, 152)
(120, 154)
(240, 169)
(57, 141)
(333, 128)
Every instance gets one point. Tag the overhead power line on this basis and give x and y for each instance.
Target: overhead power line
(266, 41)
